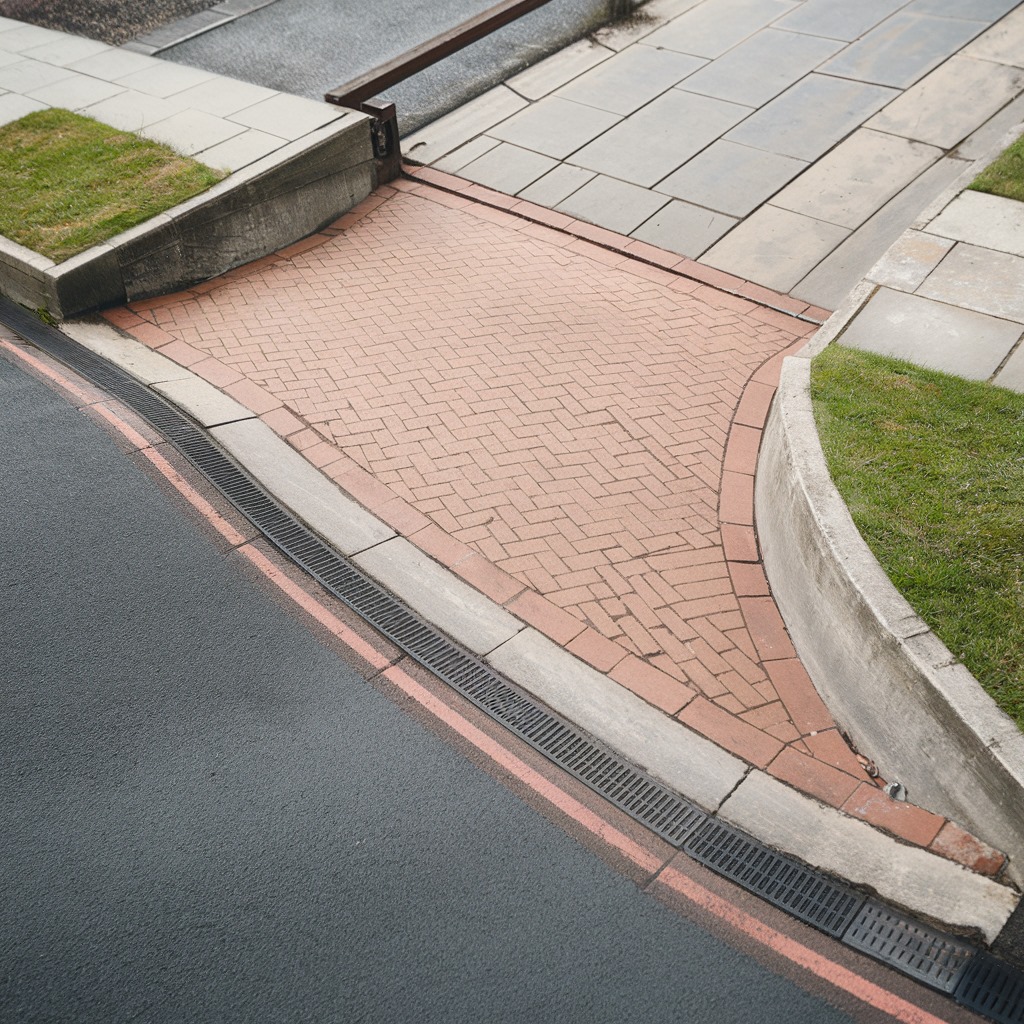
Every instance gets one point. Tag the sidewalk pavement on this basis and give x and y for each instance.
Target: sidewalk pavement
(785, 143)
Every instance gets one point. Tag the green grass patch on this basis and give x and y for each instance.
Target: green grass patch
(932, 469)
(1005, 175)
(68, 182)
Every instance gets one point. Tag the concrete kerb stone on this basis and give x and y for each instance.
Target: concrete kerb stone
(687, 762)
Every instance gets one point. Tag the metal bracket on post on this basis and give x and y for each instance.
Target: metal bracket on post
(387, 151)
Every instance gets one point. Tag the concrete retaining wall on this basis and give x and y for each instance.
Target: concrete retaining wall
(889, 681)
(264, 207)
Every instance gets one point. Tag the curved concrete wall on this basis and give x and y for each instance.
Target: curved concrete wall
(891, 684)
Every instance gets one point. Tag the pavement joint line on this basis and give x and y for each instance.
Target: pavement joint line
(620, 248)
(746, 774)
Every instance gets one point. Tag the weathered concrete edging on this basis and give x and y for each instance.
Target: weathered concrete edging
(917, 880)
(890, 682)
(256, 211)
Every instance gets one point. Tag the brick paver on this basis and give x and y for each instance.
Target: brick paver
(572, 430)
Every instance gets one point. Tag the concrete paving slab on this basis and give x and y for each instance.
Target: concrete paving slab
(989, 221)
(289, 117)
(7, 59)
(24, 76)
(508, 168)
(165, 79)
(141, 362)
(131, 111)
(976, 10)
(1012, 374)
(76, 92)
(947, 105)
(1003, 42)
(113, 63)
(431, 590)
(240, 151)
(613, 204)
(684, 228)
(761, 67)
(715, 26)
(902, 49)
(775, 248)
(838, 19)
(857, 178)
(466, 154)
(556, 71)
(208, 406)
(13, 107)
(461, 125)
(554, 126)
(68, 50)
(845, 847)
(730, 178)
(983, 140)
(223, 96)
(648, 145)
(189, 131)
(979, 279)
(932, 334)
(630, 79)
(657, 13)
(809, 118)
(557, 185)
(303, 489)
(909, 260)
(18, 40)
(681, 759)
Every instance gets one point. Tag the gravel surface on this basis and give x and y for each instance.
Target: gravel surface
(110, 21)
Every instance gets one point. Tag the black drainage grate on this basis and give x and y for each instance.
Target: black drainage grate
(928, 955)
(993, 988)
(798, 890)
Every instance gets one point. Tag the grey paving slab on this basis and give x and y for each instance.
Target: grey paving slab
(165, 79)
(453, 606)
(809, 118)
(630, 79)
(9, 58)
(932, 334)
(240, 151)
(290, 117)
(981, 219)
(223, 96)
(761, 67)
(508, 168)
(1012, 374)
(189, 131)
(131, 111)
(465, 123)
(648, 145)
(951, 102)
(67, 50)
(839, 19)
(775, 248)
(76, 92)
(713, 27)
(730, 178)
(979, 279)
(909, 260)
(17, 40)
(9, 24)
(976, 10)
(857, 178)
(1003, 42)
(207, 405)
(13, 107)
(613, 204)
(556, 71)
(983, 139)
(554, 127)
(684, 228)
(466, 154)
(656, 13)
(558, 184)
(25, 76)
(832, 279)
(902, 49)
(140, 361)
(113, 63)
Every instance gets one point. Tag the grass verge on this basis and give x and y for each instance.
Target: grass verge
(932, 470)
(1005, 175)
(68, 182)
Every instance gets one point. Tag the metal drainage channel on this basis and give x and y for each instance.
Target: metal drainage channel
(973, 977)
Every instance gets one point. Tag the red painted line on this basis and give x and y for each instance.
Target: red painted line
(48, 371)
(836, 975)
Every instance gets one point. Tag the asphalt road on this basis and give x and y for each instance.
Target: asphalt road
(210, 815)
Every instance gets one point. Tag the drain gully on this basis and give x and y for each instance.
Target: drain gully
(974, 978)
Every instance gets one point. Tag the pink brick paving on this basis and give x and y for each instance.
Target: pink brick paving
(570, 423)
